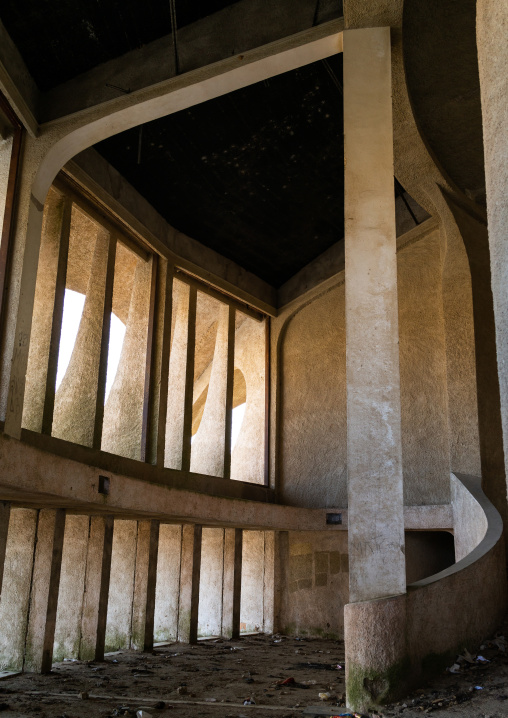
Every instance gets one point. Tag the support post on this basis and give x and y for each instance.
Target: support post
(44, 591)
(374, 453)
(95, 604)
(190, 568)
(232, 583)
(143, 606)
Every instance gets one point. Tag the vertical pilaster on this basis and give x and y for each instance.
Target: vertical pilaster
(232, 583)
(190, 567)
(95, 603)
(269, 598)
(44, 591)
(374, 454)
(143, 606)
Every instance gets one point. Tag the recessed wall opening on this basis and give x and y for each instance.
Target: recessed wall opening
(427, 553)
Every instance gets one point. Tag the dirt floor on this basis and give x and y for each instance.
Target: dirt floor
(280, 676)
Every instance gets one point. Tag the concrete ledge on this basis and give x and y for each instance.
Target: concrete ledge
(393, 641)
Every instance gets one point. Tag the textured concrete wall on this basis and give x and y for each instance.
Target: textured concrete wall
(168, 583)
(121, 587)
(72, 585)
(16, 587)
(313, 405)
(316, 585)
(253, 559)
(312, 400)
(210, 583)
(425, 450)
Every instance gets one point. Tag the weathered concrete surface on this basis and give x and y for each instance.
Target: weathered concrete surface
(123, 411)
(190, 572)
(16, 587)
(313, 404)
(424, 419)
(76, 397)
(5, 162)
(72, 587)
(248, 456)
(469, 520)
(143, 604)
(168, 583)
(121, 586)
(232, 583)
(316, 585)
(253, 562)
(492, 26)
(40, 633)
(40, 345)
(208, 446)
(391, 642)
(374, 451)
(97, 578)
(211, 582)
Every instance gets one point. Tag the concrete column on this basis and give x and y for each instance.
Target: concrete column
(167, 587)
(492, 29)
(211, 582)
(374, 456)
(5, 512)
(123, 412)
(143, 606)
(72, 587)
(232, 585)
(74, 418)
(253, 563)
(190, 568)
(121, 587)
(19, 555)
(95, 602)
(56, 224)
(181, 379)
(208, 446)
(44, 594)
(269, 582)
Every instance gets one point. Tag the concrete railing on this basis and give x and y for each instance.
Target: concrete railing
(391, 642)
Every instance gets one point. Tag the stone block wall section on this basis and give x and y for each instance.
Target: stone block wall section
(77, 586)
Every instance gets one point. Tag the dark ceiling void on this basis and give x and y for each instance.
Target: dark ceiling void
(257, 175)
(59, 39)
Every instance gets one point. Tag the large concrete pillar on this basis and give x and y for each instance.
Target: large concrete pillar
(72, 587)
(95, 601)
(123, 412)
(48, 302)
(168, 583)
(209, 444)
(376, 525)
(232, 584)
(211, 582)
(492, 30)
(44, 594)
(143, 605)
(374, 452)
(121, 587)
(76, 398)
(190, 569)
(19, 555)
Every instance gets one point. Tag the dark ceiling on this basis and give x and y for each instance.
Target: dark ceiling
(257, 175)
(59, 39)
